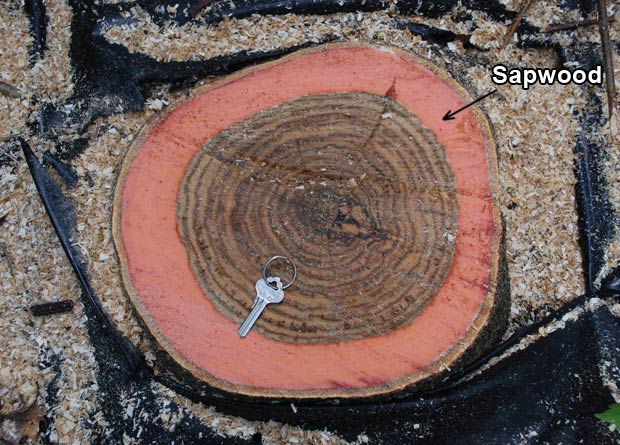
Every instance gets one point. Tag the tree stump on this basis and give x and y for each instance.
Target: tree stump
(338, 158)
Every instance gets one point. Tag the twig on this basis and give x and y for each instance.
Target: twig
(9, 90)
(56, 307)
(607, 57)
(575, 25)
(9, 261)
(4, 253)
(513, 28)
(9, 155)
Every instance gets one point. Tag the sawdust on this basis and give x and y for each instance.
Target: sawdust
(535, 132)
(538, 207)
(14, 70)
(34, 268)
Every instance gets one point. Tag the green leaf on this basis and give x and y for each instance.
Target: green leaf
(612, 415)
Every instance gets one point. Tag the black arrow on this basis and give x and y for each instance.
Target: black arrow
(450, 115)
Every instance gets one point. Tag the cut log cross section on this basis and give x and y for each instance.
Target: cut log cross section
(351, 187)
(338, 158)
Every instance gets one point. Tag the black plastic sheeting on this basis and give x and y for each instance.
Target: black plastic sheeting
(547, 392)
(38, 27)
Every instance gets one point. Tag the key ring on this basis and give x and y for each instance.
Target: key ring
(287, 259)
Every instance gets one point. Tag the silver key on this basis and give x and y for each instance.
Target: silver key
(265, 294)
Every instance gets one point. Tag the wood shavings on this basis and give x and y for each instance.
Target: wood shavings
(271, 432)
(542, 13)
(36, 270)
(535, 132)
(543, 331)
(41, 273)
(538, 208)
(199, 42)
(14, 69)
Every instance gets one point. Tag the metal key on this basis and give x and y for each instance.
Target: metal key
(265, 294)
